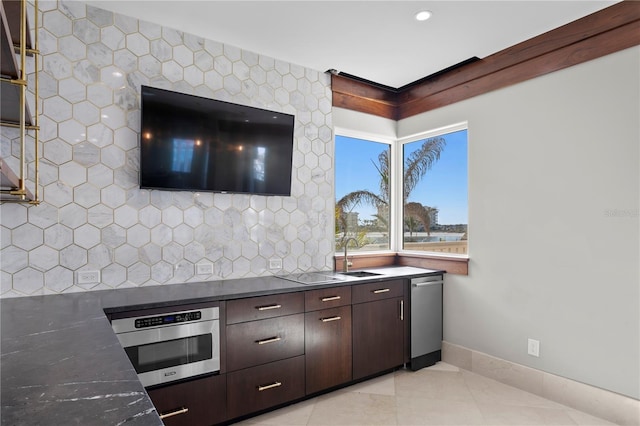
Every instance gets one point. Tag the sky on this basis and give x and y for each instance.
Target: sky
(443, 187)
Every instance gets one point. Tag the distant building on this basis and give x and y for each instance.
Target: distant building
(433, 216)
(352, 221)
(383, 216)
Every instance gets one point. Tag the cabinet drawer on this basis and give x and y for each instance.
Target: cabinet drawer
(257, 308)
(193, 403)
(265, 386)
(377, 291)
(258, 342)
(324, 298)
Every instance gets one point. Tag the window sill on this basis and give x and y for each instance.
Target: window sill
(365, 260)
(453, 264)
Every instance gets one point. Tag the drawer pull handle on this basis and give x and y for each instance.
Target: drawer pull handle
(181, 410)
(329, 319)
(271, 386)
(268, 307)
(269, 340)
(382, 290)
(330, 298)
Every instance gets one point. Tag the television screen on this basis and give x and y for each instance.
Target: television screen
(193, 143)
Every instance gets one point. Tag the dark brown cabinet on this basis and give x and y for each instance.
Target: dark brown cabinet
(193, 403)
(265, 352)
(263, 307)
(378, 327)
(332, 297)
(283, 347)
(328, 348)
(259, 342)
(257, 388)
(327, 333)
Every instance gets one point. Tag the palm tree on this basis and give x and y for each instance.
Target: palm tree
(412, 225)
(422, 214)
(415, 166)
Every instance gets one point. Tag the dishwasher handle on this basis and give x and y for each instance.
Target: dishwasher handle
(427, 283)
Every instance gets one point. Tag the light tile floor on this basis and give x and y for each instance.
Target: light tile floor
(438, 395)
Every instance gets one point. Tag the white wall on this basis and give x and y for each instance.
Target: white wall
(363, 124)
(553, 220)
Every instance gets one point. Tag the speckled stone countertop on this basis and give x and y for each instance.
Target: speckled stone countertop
(61, 363)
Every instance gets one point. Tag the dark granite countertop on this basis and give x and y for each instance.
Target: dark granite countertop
(61, 363)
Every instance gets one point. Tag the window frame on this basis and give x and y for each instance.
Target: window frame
(397, 172)
(396, 209)
(356, 134)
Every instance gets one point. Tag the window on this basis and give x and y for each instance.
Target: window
(425, 210)
(362, 193)
(435, 212)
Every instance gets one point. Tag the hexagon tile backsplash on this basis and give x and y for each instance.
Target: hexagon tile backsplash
(94, 216)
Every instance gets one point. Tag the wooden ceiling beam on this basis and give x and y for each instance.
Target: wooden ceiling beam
(607, 31)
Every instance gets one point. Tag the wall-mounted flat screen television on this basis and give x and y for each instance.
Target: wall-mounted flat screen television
(192, 143)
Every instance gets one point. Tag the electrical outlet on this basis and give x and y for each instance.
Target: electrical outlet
(275, 263)
(533, 347)
(88, 277)
(204, 268)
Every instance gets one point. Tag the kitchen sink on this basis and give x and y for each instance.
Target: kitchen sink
(359, 274)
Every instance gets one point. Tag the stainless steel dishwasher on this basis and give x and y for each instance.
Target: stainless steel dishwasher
(426, 321)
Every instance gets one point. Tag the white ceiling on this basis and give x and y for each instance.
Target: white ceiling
(376, 40)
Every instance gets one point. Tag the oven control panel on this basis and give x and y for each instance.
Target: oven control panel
(162, 319)
(168, 319)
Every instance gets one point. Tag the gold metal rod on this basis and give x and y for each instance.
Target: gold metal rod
(28, 50)
(16, 81)
(13, 191)
(36, 119)
(23, 90)
(6, 200)
(17, 125)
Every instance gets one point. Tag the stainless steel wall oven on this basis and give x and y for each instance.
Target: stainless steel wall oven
(171, 346)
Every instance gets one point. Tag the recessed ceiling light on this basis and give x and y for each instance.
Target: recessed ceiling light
(423, 15)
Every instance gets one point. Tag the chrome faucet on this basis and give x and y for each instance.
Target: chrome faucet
(345, 261)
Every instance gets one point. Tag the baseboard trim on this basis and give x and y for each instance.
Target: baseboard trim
(611, 406)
